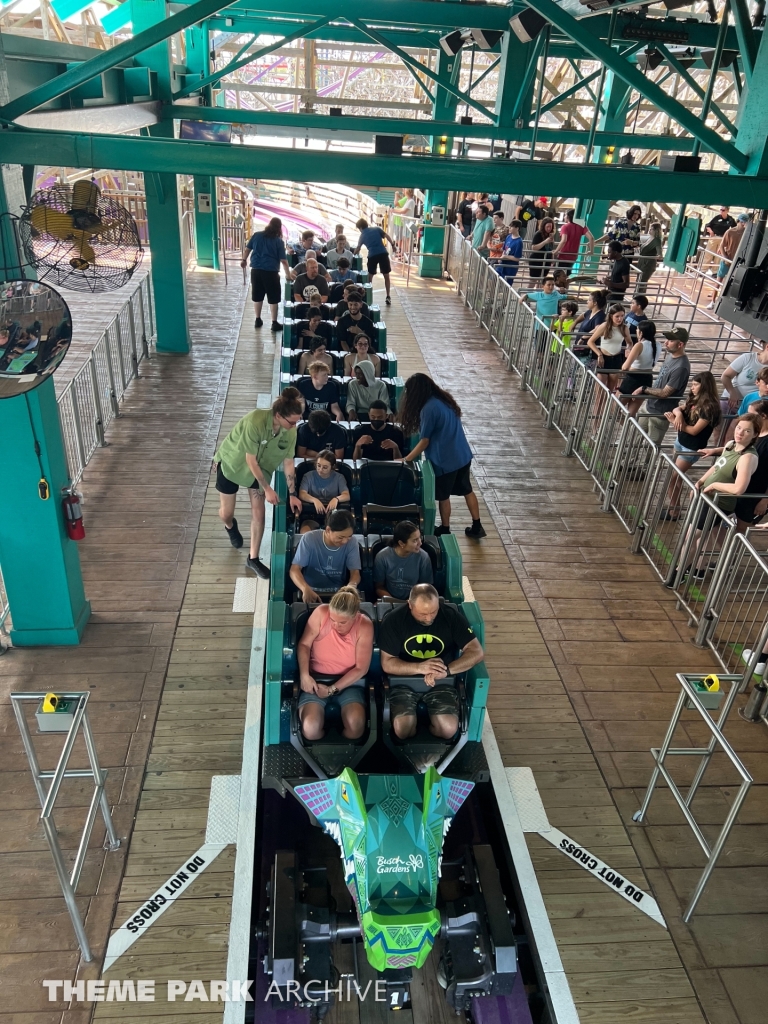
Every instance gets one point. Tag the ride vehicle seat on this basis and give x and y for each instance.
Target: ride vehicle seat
(334, 752)
(389, 492)
(423, 749)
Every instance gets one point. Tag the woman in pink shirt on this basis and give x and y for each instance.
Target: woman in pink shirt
(336, 646)
(571, 235)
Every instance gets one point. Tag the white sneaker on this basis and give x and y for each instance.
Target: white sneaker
(760, 667)
(711, 305)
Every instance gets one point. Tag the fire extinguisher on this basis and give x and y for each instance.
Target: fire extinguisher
(73, 515)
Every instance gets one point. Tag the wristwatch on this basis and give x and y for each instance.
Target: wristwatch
(333, 690)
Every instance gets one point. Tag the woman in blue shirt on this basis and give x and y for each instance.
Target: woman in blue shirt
(378, 257)
(267, 254)
(435, 415)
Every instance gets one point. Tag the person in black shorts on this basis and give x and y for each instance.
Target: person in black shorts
(372, 238)
(427, 639)
(267, 255)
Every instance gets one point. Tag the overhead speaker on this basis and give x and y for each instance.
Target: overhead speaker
(680, 162)
(453, 42)
(727, 57)
(466, 119)
(527, 24)
(649, 59)
(388, 145)
(485, 39)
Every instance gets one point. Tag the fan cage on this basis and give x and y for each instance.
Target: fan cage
(117, 246)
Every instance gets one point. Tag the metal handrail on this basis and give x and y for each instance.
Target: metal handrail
(90, 401)
(673, 525)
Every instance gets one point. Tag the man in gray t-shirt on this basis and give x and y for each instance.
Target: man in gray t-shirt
(672, 381)
(397, 575)
(324, 557)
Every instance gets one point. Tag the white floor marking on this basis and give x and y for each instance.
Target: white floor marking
(533, 818)
(544, 946)
(221, 830)
(245, 594)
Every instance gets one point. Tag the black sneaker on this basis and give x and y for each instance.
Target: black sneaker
(475, 530)
(388, 300)
(257, 566)
(440, 530)
(258, 322)
(276, 326)
(235, 537)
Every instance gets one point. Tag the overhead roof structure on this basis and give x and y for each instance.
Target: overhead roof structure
(553, 114)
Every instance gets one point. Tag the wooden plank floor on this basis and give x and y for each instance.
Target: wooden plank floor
(198, 734)
(143, 498)
(582, 645)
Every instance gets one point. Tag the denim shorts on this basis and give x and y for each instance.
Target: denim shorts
(354, 694)
(686, 453)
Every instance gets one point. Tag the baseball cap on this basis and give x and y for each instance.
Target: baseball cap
(543, 199)
(676, 334)
(743, 217)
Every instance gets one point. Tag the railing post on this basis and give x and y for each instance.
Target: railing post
(111, 374)
(120, 360)
(144, 341)
(99, 419)
(77, 426)
(132, 328)
(573, 433)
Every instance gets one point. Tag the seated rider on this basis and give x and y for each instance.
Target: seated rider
(402, 564)
(337, 642)
(426, 638)
(324, 557)
(323, 487)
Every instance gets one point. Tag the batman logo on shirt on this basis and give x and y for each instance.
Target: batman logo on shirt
(424, 646)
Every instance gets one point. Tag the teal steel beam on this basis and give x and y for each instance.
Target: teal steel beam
(66, 8)
(634, 78)
(691, 81)
(414, 64)
(235, 64)
(413, 126)
(753, 116)
(416, 13)
(746, 36)
(715, 68)
(584, 82)
(142, 153)
(409, 62)
(339, 34)
(512, 71)
(485, 74)
(526, 85)
(117, 18)
(107, 59)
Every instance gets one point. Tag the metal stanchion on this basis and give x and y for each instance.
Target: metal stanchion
(68, 714)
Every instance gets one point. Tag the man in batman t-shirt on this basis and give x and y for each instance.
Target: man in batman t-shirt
(432, 640)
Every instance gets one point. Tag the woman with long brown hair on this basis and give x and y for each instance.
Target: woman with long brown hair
(694, 422)
(434, 414)
(542, 247)
(607, 343)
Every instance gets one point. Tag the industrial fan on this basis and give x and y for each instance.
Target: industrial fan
(80, 238)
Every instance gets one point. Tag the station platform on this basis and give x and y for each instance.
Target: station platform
(582, 643)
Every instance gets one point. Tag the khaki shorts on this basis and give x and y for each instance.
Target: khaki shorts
(442, 700)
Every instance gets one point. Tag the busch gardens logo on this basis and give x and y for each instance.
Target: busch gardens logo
(396, 865)
(424, 646)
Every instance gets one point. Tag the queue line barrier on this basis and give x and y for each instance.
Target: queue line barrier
(90, 401)
(717, 575)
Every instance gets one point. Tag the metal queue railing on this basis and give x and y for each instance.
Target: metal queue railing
(717, 575)
(91, 399)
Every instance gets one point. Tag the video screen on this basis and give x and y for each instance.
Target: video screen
(206, 131)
